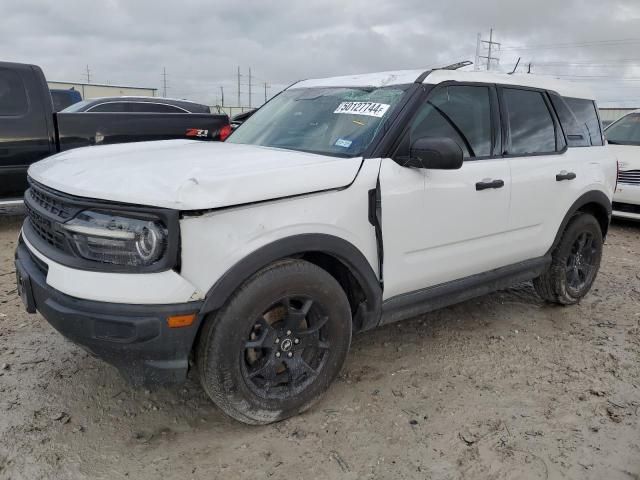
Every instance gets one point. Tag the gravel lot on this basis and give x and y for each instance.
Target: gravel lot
(503, 386)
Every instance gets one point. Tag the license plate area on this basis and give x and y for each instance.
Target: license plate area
(23, 285)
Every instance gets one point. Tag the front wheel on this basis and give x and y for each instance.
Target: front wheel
(575, 262)
(276, 346)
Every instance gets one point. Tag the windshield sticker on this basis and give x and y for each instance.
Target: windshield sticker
(369, 109)
(341, 142)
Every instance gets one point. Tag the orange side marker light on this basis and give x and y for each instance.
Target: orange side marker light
(179, 321)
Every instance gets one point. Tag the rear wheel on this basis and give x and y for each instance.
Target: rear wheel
(575, 262)
(277, 345)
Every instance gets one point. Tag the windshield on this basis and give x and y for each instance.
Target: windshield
(625, 131)
(331, 121)
(77, 107)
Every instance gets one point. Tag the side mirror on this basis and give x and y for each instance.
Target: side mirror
(438, 153)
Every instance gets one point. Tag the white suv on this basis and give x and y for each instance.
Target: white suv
(624, 139)
(342, 204)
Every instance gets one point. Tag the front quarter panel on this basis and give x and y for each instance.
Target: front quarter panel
(213, 242)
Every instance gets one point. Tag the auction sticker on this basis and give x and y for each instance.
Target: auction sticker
(369, 109)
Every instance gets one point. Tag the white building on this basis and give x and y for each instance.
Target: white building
(97, 90)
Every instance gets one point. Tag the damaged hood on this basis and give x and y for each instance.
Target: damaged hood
(191, 175)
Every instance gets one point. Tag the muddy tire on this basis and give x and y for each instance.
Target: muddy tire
(575, 262)
(277, 345)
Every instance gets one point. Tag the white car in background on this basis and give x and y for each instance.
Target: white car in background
(624, 138)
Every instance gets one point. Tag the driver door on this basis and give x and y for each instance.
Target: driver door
(444, 225)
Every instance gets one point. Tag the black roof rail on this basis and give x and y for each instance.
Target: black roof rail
(453, 66)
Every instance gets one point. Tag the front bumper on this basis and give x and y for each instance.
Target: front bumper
(626, 202)
(134, 338)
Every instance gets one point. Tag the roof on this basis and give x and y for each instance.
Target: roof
(101, 85)
(401, 77)
(143, 98)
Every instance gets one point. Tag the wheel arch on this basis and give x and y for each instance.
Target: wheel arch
(337, 256)
(595, 203)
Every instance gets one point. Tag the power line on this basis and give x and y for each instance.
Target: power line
(164, 82)
(599, 43)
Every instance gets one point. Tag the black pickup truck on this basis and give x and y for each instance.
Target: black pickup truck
(31, 131)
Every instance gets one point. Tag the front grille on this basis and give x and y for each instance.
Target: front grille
(630, 177)
(44, 228)
(46, 210)
(49, 202)
(626, 207)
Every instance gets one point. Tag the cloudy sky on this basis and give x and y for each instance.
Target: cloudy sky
(201, 43)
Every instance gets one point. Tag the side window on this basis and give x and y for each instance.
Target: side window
(530, 122)
(13, 96)
(147, 107)
(462, 113)
(577, 135)
(585, 112)
(110, 107)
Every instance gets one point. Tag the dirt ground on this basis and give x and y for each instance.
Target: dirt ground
(499, 387)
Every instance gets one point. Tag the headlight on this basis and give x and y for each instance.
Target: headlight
(110, 238)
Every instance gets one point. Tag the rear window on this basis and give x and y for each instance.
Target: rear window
(530, 122)
(13, 96)
(109, 107)
(586, 114)
(148, 107)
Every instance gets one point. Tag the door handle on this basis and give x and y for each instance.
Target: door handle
(564, 175)
(485, 184)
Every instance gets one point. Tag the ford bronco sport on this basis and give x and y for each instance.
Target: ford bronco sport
(342, 204)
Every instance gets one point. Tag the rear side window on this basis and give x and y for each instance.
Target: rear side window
(577, 134)
(462, 113)
(13, 96)
(111, 107)
(530, 122)
(585, 113)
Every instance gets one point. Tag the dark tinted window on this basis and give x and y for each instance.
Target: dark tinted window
(459, 112)
(530, 122)
(13, 97)
(110, 107)
(625, 131)
(143, 107)
(577, 135)
(585, 112)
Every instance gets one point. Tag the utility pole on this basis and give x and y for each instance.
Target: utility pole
(491, 43)
(164, 82)
(88, 75)
(238, 86)
(222, 95)
(476, 64)
(266, 86)
(249, 87)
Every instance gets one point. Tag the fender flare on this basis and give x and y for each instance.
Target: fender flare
(345, 252)
(594, 197)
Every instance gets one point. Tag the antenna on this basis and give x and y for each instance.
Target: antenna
(516, 67)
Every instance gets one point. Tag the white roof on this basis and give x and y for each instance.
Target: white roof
(399, 77)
